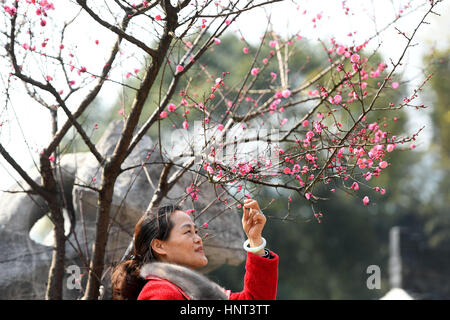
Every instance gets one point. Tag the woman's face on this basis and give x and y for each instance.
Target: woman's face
(184, 246)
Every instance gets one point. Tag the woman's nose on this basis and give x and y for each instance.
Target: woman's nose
(197, 238)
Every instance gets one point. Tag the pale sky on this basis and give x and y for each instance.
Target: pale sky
(287, 19)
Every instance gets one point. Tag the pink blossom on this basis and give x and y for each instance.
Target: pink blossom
(82, 70)
(205, 225)
(355, 186)
(373, 126)
(163, 115)
(10, 10)
(220, 127)
(340, 50)
(217, 41)
(318, 127)
(245, 50)
(121, 112)
(254, 71)
(273, 43)
(284, 121)
(287, 170)
(382, 191)
(413, 146)
(286, 93)
(308, 195)
(43, 23)
(337, 99)
(309, 135)
(273, 75)
(383, 164)
(314, 93)
(210, 170)
(390, 147)
(394, 85)
(305, 123)
(171, 107)
(180, 68)
(51, 158)
(184, 102)
(354, 58)
(185, 124)
(366, 200)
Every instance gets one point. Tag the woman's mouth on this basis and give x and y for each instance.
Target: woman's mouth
(199, 250)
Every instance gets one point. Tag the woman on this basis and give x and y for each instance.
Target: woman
(167, 250)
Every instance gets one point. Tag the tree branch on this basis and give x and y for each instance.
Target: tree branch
(121, 33)
(36, 187)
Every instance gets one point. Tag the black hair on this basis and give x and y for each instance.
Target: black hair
(126, 282)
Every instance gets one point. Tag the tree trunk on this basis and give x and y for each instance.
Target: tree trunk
(99, 248)
(56, 272)
(111, 169)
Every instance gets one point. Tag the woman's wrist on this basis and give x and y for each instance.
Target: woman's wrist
(256, 242)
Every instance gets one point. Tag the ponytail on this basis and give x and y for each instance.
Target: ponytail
(126, 282)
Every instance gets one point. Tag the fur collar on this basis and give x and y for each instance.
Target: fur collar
(194, 284)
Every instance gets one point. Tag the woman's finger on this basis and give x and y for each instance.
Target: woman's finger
(254, 215)
(252, 205)
(250, 216)
(249, 203)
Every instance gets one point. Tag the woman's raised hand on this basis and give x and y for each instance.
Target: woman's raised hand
(253, 221)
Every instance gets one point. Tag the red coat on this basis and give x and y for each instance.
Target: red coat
(260, 283)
